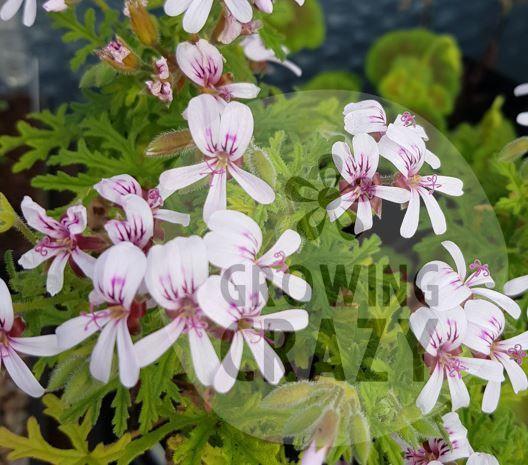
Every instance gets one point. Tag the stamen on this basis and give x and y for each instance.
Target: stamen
(517, 353)
(479, 268)
(408, 119)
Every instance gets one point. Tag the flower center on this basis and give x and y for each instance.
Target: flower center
(154, 199)
(453, 366)
(46, 244)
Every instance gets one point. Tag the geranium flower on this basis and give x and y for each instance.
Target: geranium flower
(10, 343)
(445, 288)
(236, 304)
(441, 335)
(118, 273)
(235, 239)
(516, 286)
(408, 155)
(222, 136)
(519, 91)
(362, 188)
(197, 12)
(485, 327)
(256, 51)
(175, 271)
(11, 7)
(137, 228)
(437, 451)
(62, 242)
(117, 188)
(203, 64)
(159, 85)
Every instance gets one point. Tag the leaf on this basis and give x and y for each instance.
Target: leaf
(514, 150)
(7, 214)
(334, 80)
(97, 76)
(121, 403)
(261, 165)
(189, 451)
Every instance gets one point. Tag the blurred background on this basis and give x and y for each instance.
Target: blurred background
(454, 62)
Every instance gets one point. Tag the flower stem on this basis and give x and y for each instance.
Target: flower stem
(24, 230)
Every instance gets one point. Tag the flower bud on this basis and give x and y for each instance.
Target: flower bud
(170, 143)
(142, 23)
(118, 55)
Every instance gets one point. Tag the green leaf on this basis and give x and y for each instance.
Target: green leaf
(121, 404)
(514, 150)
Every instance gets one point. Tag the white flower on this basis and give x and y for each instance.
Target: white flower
(485, 327)
(441, 335)
(255, 50)
(437, 451)
(520, 91)
(11, 343)
(118, 273)
(222, 135)
(197, 12)
(236, 304)
(363, 187)
(60, 243)
(11, 7)
(235, 239)
(117, 188)
(175, 272)
(408, 155)
(203, 64)
(445, 288)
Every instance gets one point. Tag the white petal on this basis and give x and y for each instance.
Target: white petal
(200, 62)
(515, 372)
(6, 307)
(216, 197)
(522, 118)
(84, 261)
(178, 178)
(240, 9)
(153, 346)
(196, 15)
(118, 273)
(205, 360)
(260, 191)
(344, 161)
(236, 129)
(485, 325)
(432, 160)
(288, 243)
(431, 391)
(287, 320)
(30, 12)
(55, 279)
(21, 374)
(296, 287)
(176, 7)
(31, 259)
(116, 188)
(436, 215)
(504, 302)
(367, 116)
(103, 352)
(173, 217)
(226, 375)
(366, 154)
(203, 114)
(457, 256)
(76, 330)
(363, 217)
(214, 299)
(9, 9)
(269, 363)
(39, 345)
(38, 219)
(482, 459)
(491, 397)
(243, 90)
(446, 184)
(459, 393)
(392, 194)
(521, 90)
(128, 363)
(516, 286)
(412, 216)
(337, 207)
(489, 370)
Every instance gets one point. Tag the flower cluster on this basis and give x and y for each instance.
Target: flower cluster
(403, 144)
(463, 311)
(133, 275)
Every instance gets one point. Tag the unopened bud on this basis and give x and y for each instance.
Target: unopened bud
(118, 55)
(170, 143)
(142, 23)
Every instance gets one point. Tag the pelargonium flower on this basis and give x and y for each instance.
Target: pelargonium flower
(203, 64)
(235, 239)
(117, 188)
(137, 228)
(486, 324)
(233, 28)
(11, 329)
(160, 85)
(436, 451)
(118, 274)
(119, 55)
(175, 272)
(519, 91)
(222, 135)
(408, 155)
(11, 7)
(63, 242)
(234, 301)
(197, 12)
(445, 288)
(362, 188)
(256, 51)
(441, 334)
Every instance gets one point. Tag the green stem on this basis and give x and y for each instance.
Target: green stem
(24, 230)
